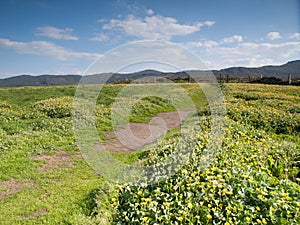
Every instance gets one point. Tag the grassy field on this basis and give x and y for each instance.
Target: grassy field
(253, 177)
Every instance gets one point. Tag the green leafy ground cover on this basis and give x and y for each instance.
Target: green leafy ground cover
(35, 125)
(253, 177)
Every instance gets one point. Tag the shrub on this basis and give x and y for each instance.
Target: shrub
(56, 107)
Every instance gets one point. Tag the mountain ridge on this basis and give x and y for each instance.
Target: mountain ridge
(281, 71)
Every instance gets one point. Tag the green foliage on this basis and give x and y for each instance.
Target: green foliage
(4, 104)
(237, 188)
(22, 96)
(36, 121)
(147, 107)
(272, 108)
(252, 177)
(55, 107)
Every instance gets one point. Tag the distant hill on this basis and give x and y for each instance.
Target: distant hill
(281, 72)
(42, 80)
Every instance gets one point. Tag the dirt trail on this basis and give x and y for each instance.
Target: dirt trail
(12, 186)
(134, 136)
(59, 160)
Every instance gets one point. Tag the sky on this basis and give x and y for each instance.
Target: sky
(67, 37)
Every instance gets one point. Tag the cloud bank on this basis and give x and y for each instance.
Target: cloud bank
(44, 48)
(154, 27)
(56, 33)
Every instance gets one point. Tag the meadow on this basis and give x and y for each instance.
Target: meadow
(253, 177)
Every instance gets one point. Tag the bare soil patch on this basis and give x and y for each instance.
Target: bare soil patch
(59, 160)
(134, 136)
(35, 214)
(12, 186)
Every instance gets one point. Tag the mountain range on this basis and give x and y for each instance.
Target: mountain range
(282, 72)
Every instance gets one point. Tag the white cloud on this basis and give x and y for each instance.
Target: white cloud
(273, 35)
(209, 23)
(154, 27)
(44, 48)
(145, 55)
(210, 44)
(234, 38)
(100, 37)
(252, 54)
(295, 36)
(207, 44)
(263, 49)
(5, 74)
(249, 54)
(150, 12)
(56, 33)
(249, 62)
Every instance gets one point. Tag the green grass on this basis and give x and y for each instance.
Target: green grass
(252, 178)
(61, 193)
(36, 121)
(26, 95)
(259, 159)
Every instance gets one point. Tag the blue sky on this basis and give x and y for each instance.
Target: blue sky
(65, 37)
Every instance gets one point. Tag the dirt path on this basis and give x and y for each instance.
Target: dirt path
(12, 186)
(59, 160)
(134, 136)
